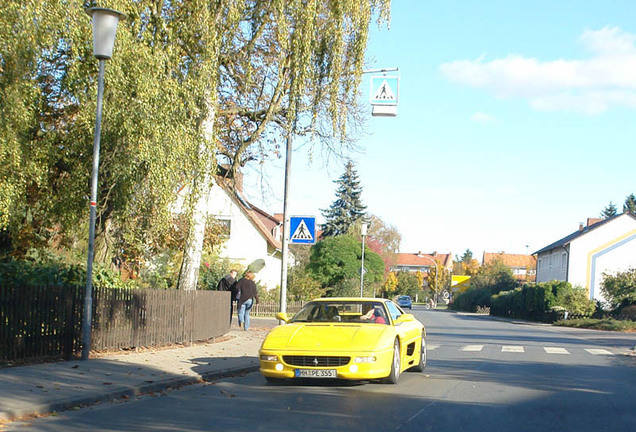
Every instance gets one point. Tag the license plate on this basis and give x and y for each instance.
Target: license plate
(316, 373)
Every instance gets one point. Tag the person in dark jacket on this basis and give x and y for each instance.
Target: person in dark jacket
(248, 296)
(228, 283)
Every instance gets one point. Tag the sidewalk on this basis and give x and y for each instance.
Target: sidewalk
(44, 388)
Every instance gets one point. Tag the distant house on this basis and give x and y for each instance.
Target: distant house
(581, 258)
(251, 232)
(524, 267)
(413, 262)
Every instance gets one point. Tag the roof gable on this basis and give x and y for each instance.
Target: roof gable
(582, 231)
(262, 221)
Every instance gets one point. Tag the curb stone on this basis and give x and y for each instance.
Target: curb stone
(120, 392)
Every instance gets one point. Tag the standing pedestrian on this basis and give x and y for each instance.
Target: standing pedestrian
(246, 290)
(228, 283)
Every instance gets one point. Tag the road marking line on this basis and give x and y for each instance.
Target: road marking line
(472, 348)
(511, 348)
(431, 347)
(555, 350)
(594, 351)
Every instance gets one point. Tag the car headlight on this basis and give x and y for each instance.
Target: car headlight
(364, 359)
(269, 357)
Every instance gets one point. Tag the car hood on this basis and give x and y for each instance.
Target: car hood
(325, 336)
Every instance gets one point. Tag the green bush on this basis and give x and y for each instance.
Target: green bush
(29, 273)
(544, 301)
(599, 324)
(490, 280)
(620, 289)
(472, 298)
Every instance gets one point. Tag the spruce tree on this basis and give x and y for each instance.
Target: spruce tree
(630, 204)
(347, 208)
(609, 211)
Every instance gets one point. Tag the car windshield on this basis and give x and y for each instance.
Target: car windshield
(367, 312)
(405, 298)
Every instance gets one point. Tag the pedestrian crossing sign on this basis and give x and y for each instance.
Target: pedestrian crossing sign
(384, 90)
(302, 229)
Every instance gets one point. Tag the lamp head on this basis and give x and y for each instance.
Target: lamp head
(104, 29)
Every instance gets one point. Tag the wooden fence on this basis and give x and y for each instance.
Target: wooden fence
(45, 322)
(134, 318)
(271, 308)
(39, 322)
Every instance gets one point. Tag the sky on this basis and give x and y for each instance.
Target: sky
(515, 123)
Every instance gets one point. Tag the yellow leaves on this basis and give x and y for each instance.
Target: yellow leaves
(391, 283)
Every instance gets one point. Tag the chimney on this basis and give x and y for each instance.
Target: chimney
(581, 226)
(593, 221)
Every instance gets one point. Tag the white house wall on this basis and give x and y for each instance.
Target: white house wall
(552, 265)
(245, 244)
(609, 248)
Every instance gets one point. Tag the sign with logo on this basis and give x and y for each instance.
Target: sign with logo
(302, 229)
(384, 90)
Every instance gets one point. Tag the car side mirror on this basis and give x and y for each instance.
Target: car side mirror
(283, 317)
(404, 318)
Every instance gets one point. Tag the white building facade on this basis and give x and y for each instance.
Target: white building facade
(252, 234)
(581, 258)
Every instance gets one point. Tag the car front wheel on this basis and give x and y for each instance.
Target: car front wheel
(395, 365)
(422, 363)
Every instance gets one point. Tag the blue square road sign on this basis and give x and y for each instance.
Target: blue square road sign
(302, 229)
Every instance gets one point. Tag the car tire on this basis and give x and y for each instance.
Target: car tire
(394, 376)
(422, 363)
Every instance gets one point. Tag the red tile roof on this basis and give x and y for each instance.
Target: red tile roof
(511, 260)
(421, 259)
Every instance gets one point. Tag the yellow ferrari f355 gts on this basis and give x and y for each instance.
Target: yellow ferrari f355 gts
(344, 338)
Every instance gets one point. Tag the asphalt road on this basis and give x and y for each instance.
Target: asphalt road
(482, 375)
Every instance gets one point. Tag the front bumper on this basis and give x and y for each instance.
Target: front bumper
(380, 368)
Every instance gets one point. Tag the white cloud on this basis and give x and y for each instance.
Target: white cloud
(483, 118)
(589, 86)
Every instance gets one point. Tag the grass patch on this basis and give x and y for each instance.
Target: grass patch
(599, 324)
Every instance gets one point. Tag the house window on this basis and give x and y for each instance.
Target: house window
(222, 225)
(563, 261)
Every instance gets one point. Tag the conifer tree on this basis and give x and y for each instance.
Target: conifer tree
(347, 208)
(630, 204)
(609, 211)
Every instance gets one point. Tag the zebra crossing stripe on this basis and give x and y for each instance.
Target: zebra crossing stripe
(512, 348)
(473, 348)
(521, 349)
(555, 350)
(594, 351)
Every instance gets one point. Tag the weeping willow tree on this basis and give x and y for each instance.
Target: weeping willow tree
(288, 67)
(188, 80)
(156, 126)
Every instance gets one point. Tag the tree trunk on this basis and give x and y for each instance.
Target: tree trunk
(189, 273)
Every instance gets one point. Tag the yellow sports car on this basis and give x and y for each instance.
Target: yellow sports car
(345, 338)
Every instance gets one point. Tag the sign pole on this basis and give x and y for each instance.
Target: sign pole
(283, 271)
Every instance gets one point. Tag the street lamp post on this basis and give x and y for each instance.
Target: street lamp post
(104, 29)
(363, 232)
